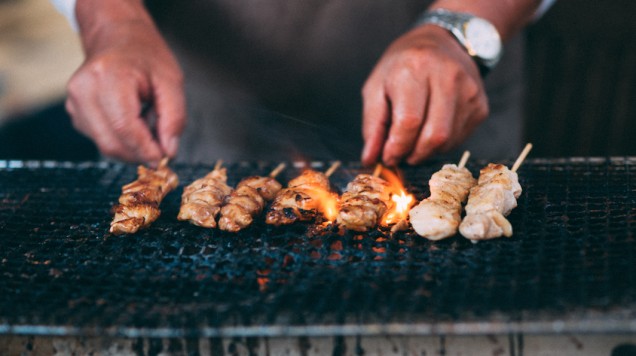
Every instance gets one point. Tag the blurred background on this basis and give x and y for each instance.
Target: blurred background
(580, 101)
(38, 53)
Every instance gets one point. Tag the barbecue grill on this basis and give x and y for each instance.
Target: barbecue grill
(569, 269)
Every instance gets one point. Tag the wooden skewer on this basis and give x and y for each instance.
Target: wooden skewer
(277, 170)
(333, 168)
(522, 157)
(378, 170)
(464, 159)
(218, 165)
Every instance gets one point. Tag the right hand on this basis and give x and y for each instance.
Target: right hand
(128, 64)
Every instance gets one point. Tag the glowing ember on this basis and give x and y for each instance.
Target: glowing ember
(403, 201)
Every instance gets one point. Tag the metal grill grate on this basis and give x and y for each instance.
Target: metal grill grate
(573, 256)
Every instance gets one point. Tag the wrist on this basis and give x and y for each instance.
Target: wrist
(94, 16)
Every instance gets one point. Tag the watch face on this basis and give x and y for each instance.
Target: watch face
(483, 39)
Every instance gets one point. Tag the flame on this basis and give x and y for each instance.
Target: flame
(403, 201)
(326, 202)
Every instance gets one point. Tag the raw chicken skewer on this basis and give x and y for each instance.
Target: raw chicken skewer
(248, 200)
(139, 202)
(492, 200)
(438, 216)
(303, 198)
(364, 202)
(201, 201)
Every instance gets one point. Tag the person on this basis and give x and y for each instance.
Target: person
(280, 79)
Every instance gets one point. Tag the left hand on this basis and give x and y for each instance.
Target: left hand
(424, 96)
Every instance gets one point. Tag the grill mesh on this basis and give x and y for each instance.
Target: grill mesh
(573, 253)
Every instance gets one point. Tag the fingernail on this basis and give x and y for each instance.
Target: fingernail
(365, 152)
(173, 146)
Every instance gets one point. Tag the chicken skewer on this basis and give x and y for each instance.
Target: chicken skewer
(365, 201)
(201, 201)
(438, 216)
(492, 200)
(139, 202)
(248, 200)
(303, 198)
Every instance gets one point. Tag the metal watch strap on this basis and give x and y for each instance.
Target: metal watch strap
(451, 21)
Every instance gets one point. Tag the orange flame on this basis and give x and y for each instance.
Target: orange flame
(326, 203)
(402, 200)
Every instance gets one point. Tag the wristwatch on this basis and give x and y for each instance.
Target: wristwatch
(477, 35)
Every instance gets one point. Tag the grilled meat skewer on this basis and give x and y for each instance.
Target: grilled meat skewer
(439, 215)
(248, 200)
(364, 202)
(139, 202)
(491, 200)
(301, 200)
(201, 201)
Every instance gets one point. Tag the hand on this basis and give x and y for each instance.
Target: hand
(424, 96)
(128, 64)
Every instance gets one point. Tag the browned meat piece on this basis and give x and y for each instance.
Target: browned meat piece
(247, 201)
(201, 201)
(302, 200)
(364, 203)
(139, 202)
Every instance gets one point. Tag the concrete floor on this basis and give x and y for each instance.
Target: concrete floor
(38, 53)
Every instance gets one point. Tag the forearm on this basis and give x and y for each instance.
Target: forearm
(95, 16)
(508, 16)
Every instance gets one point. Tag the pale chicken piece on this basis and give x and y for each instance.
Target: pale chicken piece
(490, 202)
(301, 200)
(139, 202)
(201, 201)
(247, 201)
(364, 202)
(438, 216)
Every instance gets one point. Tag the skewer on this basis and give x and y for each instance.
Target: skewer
(277, 170)
(377, 170)
(492, 200)
(464, 159)
(248, 200)
(139, 201)
(305, 197)
(438, 216)
(202, 199)
(332, 169)
(522, 157)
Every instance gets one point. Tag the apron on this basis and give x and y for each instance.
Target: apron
(280, 80)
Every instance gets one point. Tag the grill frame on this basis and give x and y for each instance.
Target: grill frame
(609, 217)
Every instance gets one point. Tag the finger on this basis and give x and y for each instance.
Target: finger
(89, 119)
(408, 99)
(438, 127)
(122, 110)
(171, 111)
(375, 122)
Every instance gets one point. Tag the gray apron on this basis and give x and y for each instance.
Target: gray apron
(280, 79)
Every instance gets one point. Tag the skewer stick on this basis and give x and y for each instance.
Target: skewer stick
(522, 157)
(277, 170)
(333, 168)
(218, 165)
(378, 170)
(464, 159)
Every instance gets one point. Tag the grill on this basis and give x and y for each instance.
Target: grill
(570, 266)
